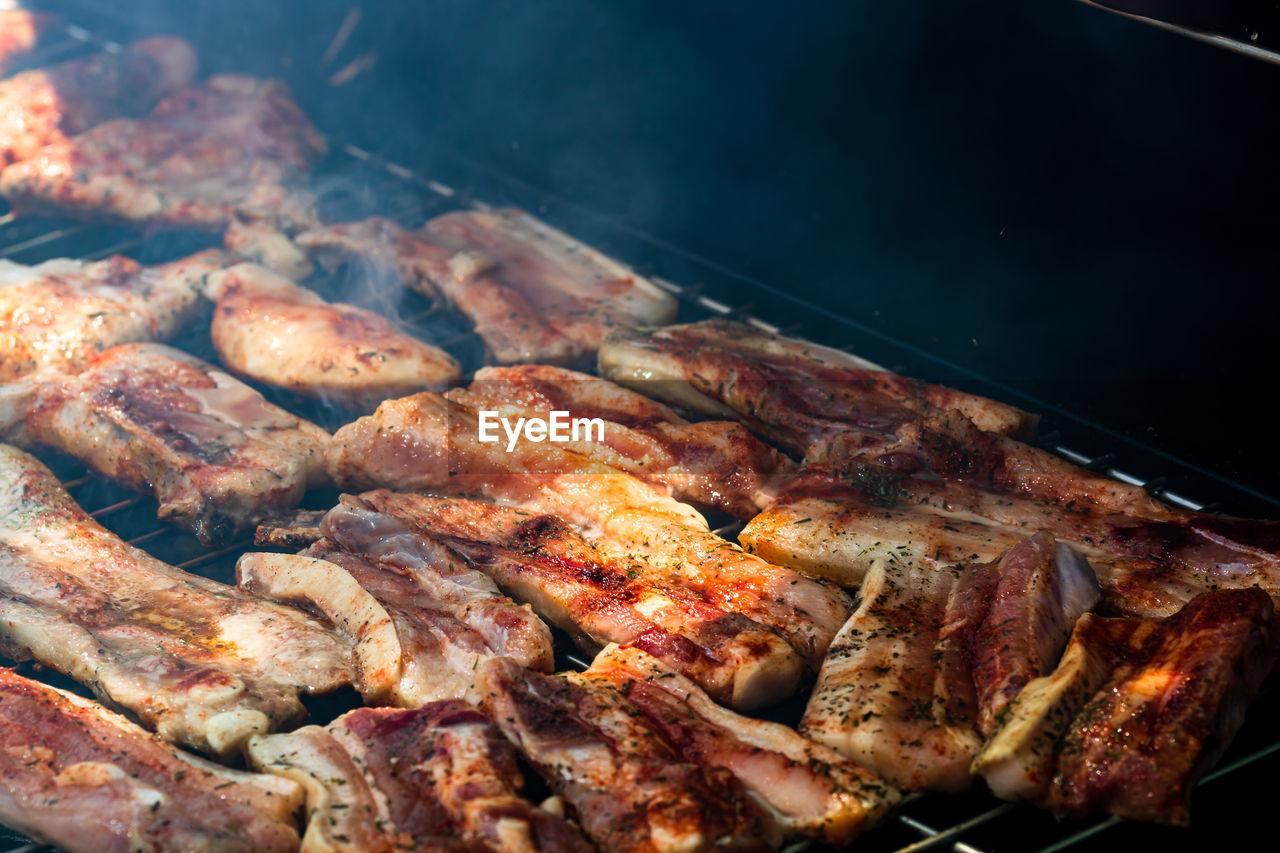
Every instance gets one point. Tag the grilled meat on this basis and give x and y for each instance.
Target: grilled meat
(1137, 710)
(533, 293)
(421, 622)
(217, 456)
(60, 313)
(440, 777)
(628, 787)
(809, 789)
(227, 148)
(1043, 588)
(895, 691)
(20, 30)
(201, 663)
(1151, 559)
(815, 401)
(538, 559)
(269, 329)
(716, 464)
(81, 778)
(928, 663)
(45, 106)
(425, 442)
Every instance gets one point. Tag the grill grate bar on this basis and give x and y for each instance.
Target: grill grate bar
(936, 837)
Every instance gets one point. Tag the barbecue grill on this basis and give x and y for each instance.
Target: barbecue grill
(371, 184)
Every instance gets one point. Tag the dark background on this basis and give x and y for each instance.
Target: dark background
(1078, 205)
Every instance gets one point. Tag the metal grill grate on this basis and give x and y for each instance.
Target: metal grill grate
(356, 183)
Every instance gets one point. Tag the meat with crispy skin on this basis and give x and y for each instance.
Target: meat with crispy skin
(715, 464)
(229, 147)
(811, 790)
(426, 441)
(628, 787)
(45, 106)
(540, 560)
(81, 778)
(533, 292)
(269, 329)
(440, 777)
(60, 313)
(201, 663)
(216, 455)
(1137, 710)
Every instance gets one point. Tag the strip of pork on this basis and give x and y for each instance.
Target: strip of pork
(1137, 710)
(895, 692)
(20, 31)
(81, 778)
(271, 330)
(834, 523)
(229, 147)
(203, 664)
(58, 314)
(1043, 588)
(440, 777)
(418, 632)
(44, 106)
(426, 442)
(815, 401)
(533, 292)
(540, 560)
(628, 787)
(715, 464)
(810, 790)
(216, 455)
(933, 654)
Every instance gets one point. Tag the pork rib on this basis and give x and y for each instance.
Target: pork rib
(538, 559)
(81, 778)
(428, 442)
(201, 663)
(629, 788)
(811, 790)
(441, 777)
(217, 456)
(60, 313)
(533, 292)
(715, 464)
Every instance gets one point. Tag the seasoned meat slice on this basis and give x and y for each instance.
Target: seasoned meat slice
(44, 106)
(82, 778)
(440, 777)
(716, 464)
(540, 560)
(629, 788)
(216, 455)
(1137, 710)
(810, 790)
(429, 442)
(60, 313)
(816, 401)
(269, 329)
(228, 148)
(20, 31)
(203, 664)
(533, 292)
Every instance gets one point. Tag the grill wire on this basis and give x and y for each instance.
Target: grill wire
(356, 183)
